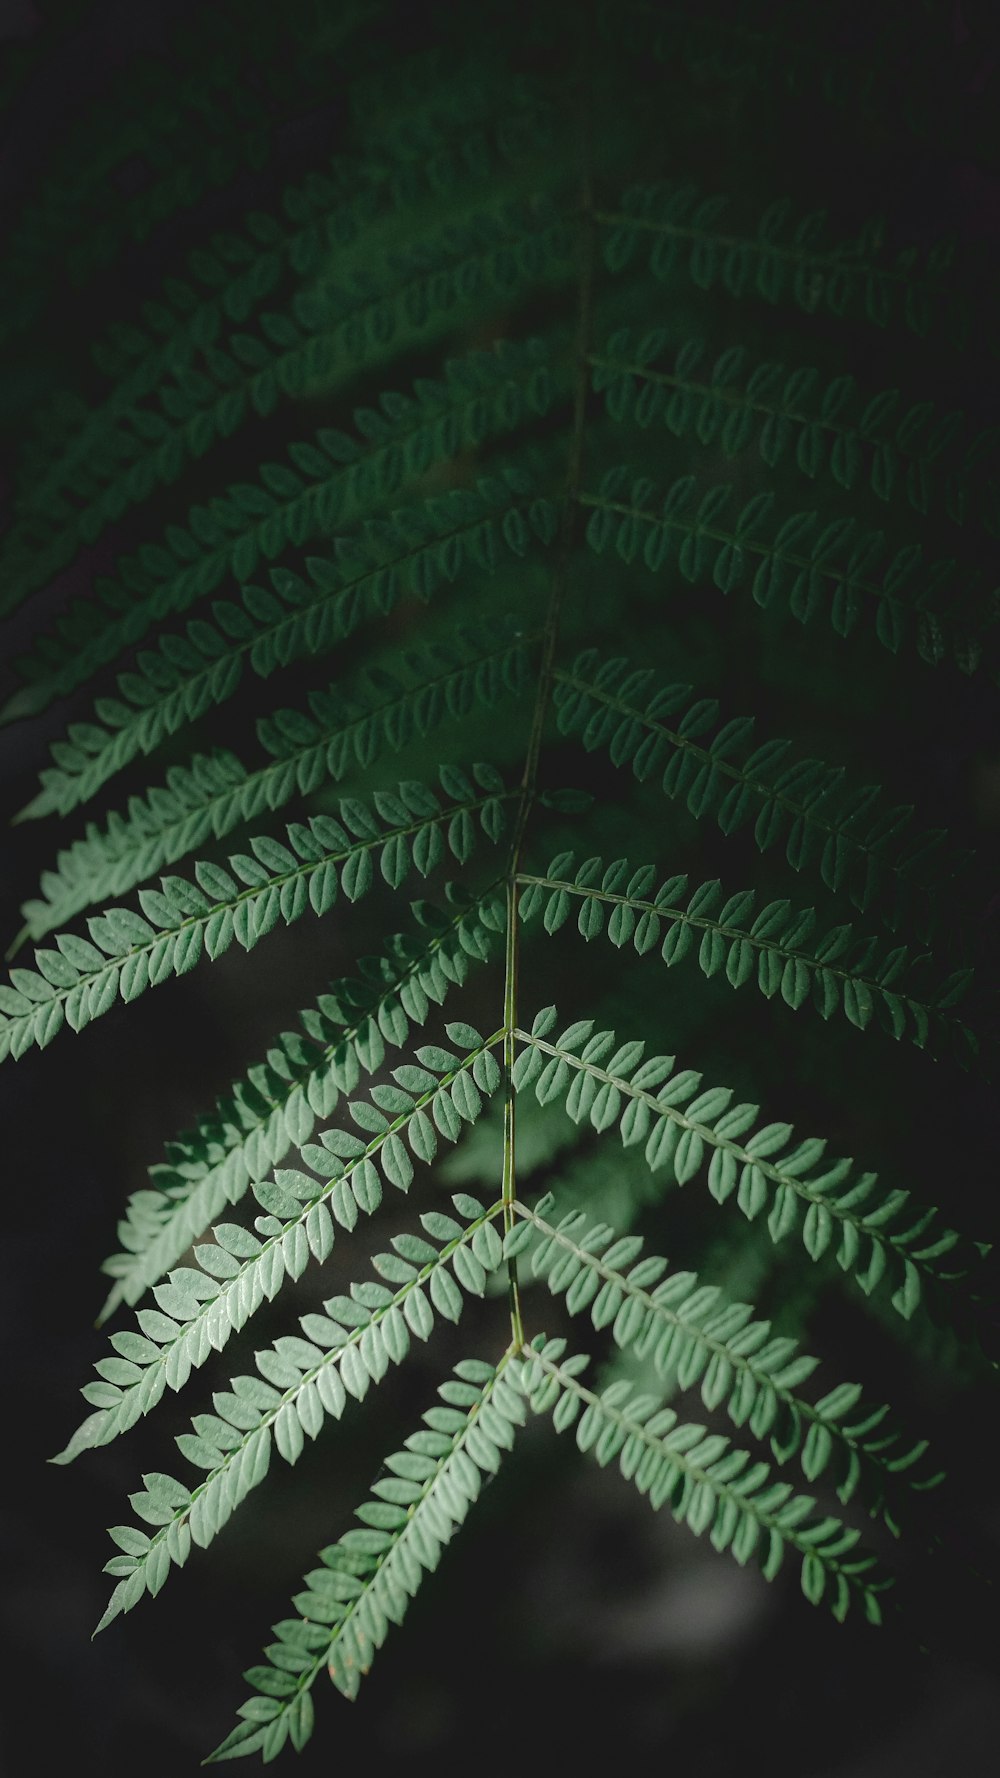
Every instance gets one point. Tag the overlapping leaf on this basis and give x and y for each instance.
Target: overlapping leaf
(335, 480)
(408, 555)
(832, 569)
(215, 793)
(200, 1307)
(691, 1331)
(779, 950)
(710, 1485)
(303, 1379)
(787, 258)
(845, 832)
(878, 1236)
(127, 952)
(275, 1108)
(81, 216)
(910, 451)
(370, 1574)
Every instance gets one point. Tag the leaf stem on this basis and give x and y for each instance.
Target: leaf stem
(571, 521)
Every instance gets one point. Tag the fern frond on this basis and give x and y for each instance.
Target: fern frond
(128, 952)
(329, 341)
(201, 1306)
(372, 1572)
(846, 833)
(240, 81)
(212, 795)
(779, 950)
(345, 1351)
(408, 555)
(334, 481)
(275, 1108)
(827, 1205)
(230, 278)
(446, 158)
(70, 230)
(430, 407)
(708, 1484)
(835, 569)
(827, 427)
(674, 229)
(691, 1331)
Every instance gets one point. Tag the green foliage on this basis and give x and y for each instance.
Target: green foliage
(833, 569)
(805, 803)
(345, 1350)
(275, 1107)
(778, 949)
(331, 481)
(902, 452)
(691, 1331)
(373, 423)
(828, 1205)
(709, 1484)
(369, 1576)
(128, 952)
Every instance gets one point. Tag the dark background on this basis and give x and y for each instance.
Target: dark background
(602, 1630)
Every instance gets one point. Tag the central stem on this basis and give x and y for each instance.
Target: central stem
(509, 1182)
(529, 779)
